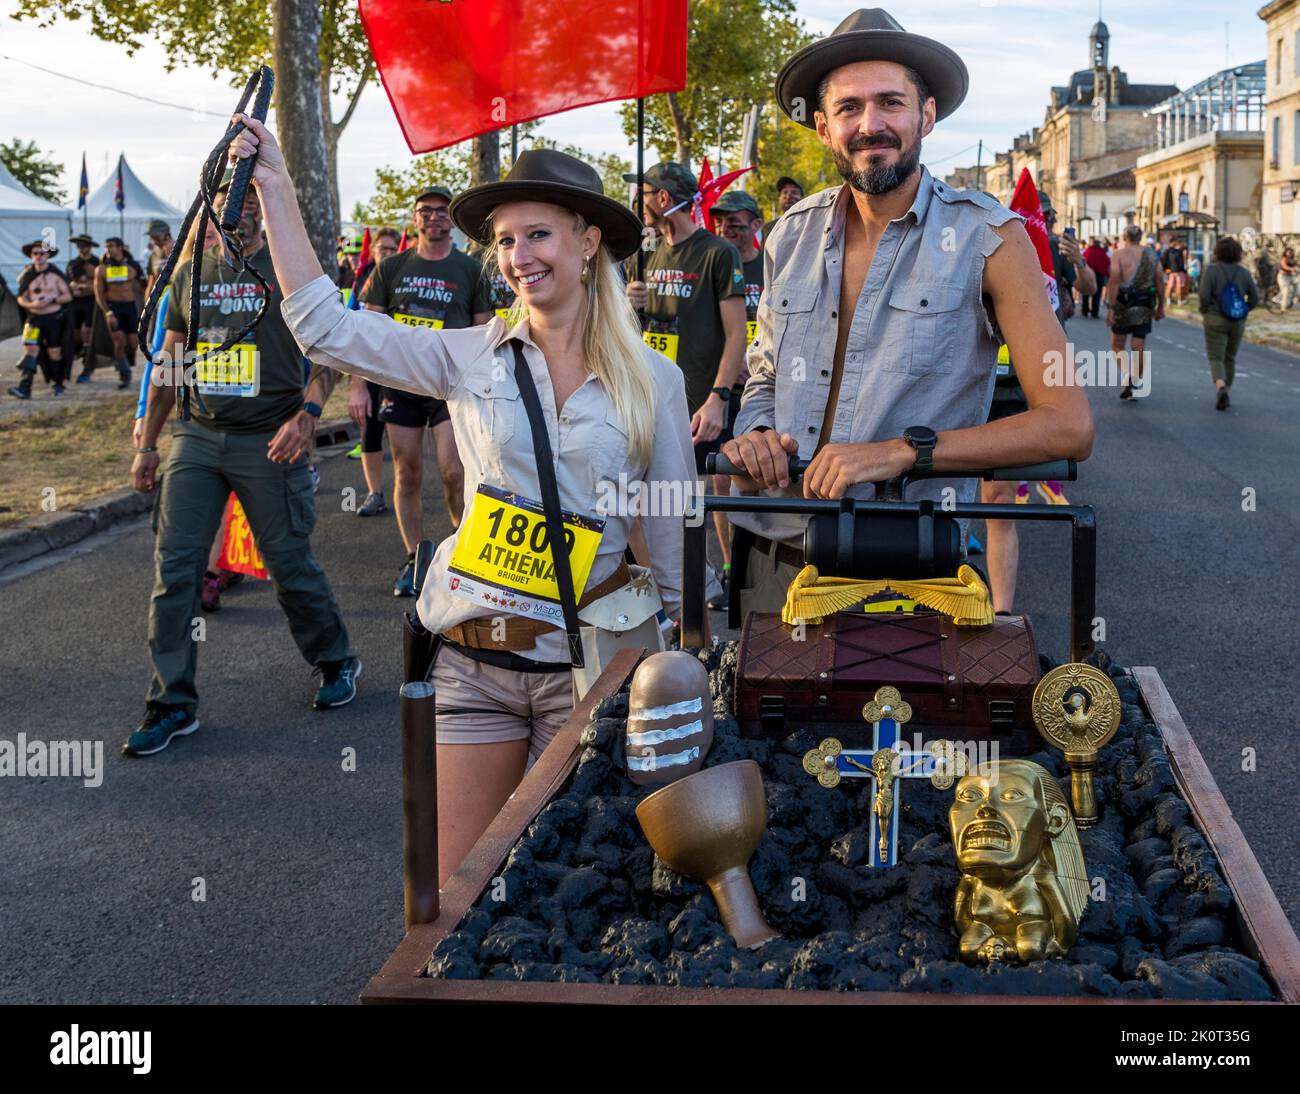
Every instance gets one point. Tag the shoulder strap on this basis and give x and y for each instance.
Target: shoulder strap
(550, 503)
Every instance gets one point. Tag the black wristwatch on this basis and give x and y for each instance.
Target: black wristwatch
(314, 409)
(723, 393)
(923, 439)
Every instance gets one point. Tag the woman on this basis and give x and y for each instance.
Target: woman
(1225, 286)
(613, 407)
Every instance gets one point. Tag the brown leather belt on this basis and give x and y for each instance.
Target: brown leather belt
(488, 633)
(785, 554)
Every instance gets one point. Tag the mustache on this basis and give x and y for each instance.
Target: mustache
(883, 140)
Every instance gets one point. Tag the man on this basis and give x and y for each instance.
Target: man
(736, 218)
(1099, 262)
(1135, 294)
(429, 285)
(161, 237)
(370, 449)
(1286, 277)
(693, 307)
(693, 301)
(874, 355)
(116, 280)
(253, 436)
(81, 278)
(43, 295)
(788, 194)
(1174, 264)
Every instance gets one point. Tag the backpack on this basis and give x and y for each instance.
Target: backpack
(1231, 303)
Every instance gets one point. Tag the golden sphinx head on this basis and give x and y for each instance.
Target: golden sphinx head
(1024, 885)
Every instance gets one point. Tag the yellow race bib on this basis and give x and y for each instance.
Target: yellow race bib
(117, 273)
(751, 331)
(502, 557)
(234, 372)
(664, 343)
(417, 320)
(503, 312)
(1004, 360)
(31, 335)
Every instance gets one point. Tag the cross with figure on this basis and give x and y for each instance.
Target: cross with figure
(884, 763)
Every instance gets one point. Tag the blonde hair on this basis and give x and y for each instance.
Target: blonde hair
(611, 343)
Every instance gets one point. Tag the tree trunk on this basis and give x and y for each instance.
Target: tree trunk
(334, 130)
(681, 131)
(485, 159)
(300, 122)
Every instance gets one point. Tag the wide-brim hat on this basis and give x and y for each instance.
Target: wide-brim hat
(28, 248)
(77, 240)
(870, 34)
(545, 174)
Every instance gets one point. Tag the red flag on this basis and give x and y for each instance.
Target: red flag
(238, 550)
(363, 259)
(455, 70)
(712, 190)
(401, 246)
(700, 210)
(1024, 202)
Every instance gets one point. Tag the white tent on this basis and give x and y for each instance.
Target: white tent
(24, 217)
(141, 205)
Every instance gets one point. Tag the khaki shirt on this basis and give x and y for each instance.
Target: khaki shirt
(920, 349)
(474, 371)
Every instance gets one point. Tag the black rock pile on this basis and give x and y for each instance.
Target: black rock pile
(584, 899)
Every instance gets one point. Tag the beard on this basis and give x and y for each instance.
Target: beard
(879, 179)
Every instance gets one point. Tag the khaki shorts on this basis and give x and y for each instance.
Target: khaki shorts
(481, 704)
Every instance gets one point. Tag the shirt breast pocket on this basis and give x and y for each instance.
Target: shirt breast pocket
(922, 330)
(492, 411)
(792, 311)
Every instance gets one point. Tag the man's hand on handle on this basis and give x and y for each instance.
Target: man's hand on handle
(765, 456)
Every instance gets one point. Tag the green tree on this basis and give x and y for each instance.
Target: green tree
(34, 169)
(736, 48)
(396, 188)
(228, 39)
(788, 148)
(612, 167)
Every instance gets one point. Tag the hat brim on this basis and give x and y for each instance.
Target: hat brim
(943, 71)
(28, 248)
(77, 240)
(620, 230)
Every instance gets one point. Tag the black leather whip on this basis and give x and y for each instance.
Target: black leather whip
(262, 81)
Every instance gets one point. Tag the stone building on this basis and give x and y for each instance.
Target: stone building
(1280, 209)
(1205, 177)
(1095, 128)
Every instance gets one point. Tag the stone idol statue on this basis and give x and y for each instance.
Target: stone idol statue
(1024, 884)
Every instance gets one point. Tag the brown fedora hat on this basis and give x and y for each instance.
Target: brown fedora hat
(870, 34)
(28, 248)
(544, 174)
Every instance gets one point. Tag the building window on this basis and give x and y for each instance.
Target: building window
(1295, 59)
(1275, 155)
(1277, 65)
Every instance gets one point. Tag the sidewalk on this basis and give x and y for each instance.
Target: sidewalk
(1263, 327)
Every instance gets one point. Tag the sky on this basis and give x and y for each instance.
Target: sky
(1015, 52)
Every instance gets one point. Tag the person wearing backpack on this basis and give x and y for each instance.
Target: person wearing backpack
(1228, 293)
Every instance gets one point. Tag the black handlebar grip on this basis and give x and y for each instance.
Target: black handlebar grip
(715, 463)
(234, 208)
(1061, 470)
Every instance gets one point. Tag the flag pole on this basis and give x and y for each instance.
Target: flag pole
(640, 186)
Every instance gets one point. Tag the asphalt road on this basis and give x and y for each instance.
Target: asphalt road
(301, 860)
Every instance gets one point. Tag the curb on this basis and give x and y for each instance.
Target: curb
(53, 531)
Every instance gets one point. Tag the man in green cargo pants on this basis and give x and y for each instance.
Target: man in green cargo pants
(253, 436)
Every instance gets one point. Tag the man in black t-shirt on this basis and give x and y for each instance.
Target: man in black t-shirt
(81, 276)
(429, 285)
(252, 436)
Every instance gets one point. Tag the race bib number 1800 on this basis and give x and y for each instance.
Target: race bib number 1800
(502, 557)
(664, 343)
(234, 372)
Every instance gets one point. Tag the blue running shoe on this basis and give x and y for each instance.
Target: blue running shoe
(974, 546)
(338, 682)
(160, 725)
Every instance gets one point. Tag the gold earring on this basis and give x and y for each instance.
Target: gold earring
(586, 269)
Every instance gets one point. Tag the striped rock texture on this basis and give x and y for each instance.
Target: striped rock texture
(669, 719)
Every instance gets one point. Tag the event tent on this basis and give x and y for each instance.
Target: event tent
(141, 205)
(25, 217)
